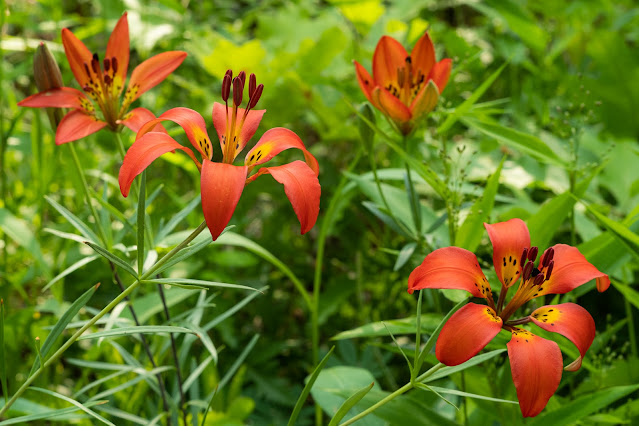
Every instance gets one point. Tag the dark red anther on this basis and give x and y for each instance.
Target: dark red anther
(95, 63)
(549, 269)
(86, 69)
(107, 64)
(548, 256)
(539, 279)
(108, 80)
(532, 253)
(226, 87)
(527, 271)
(238, 90)
(114, 64)
(256, 96)
(523, 256)
(252, 84)
(242, 76)
(229, 72)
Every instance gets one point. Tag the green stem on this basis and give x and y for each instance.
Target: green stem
(319, 260)
(99, 315)
(398, 392)
(418, 335)
(87, 195)
(3, 149)
(631, 328)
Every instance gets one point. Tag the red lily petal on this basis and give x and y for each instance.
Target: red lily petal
(390, 105)
(79, 57)
(450, 268)
(366, 82)
(571, 321)
(63, 97)
(509, 240)
(466, 333)
(423, 55)
(137, 117)
(535, 364)
(143, 152)
(425, 101)
(222, 186)
(193, 125)
(118, 48)
(388, 57)
(302, 189)
(151, 72)
(571, 269)
(440, 73)
(76, 125)
(248, 128)
(275, 141)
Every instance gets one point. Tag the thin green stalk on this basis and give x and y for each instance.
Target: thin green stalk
(319, 260)
(87, 195)
(408, 386)
(3, 146)
(418, 335)
(99, 315)
(631, 328)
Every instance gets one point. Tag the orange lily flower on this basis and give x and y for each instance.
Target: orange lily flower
(404, 87)
(535, 363)
(104, 83)
(222, 183)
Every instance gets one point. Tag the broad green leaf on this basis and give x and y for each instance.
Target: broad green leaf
(447, 371)
(74, 402)
(628, 292)
(112, 258)
(399, 326)
(49, 414)
(350, 403)
(524, 142)
(84, 229)
(462, 109)
(583, 406)
(307, 388)
(77, 265)
(142, 329)
(62, 323)
(470, 233)
(18, 230)
(197, 284)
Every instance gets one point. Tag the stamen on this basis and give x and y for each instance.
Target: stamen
(532, 253)
(252, 84)
(550, 253)
(238, 90)
(549, 269)
(242, 76)
(539, 279)
(95, 64)
(523, 256)
(107, 64)
(256, 96)
(226, 87)
(400, 77)
(527, 271)
(114, 64)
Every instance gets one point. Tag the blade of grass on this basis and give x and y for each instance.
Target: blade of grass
(307, 389)
(350, 403)
(74, 402)
(112, 258)
(143, 329)
(49, 414)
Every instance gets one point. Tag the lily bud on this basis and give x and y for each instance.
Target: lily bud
(47, 75)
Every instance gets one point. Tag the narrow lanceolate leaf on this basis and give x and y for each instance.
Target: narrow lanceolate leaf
(197, 284)
(3, 371)
(469, 395)
(112, 258)
(48, 414)
(307, 388)
(77, 265)
(470, 234)
(350, 403)
(621, 232)
(64, 320)
(523, 142)
(74, 402)
(189, 251)
(447, 371)
(84, 229)
(142, 329)
(171, 224)
(468, 103)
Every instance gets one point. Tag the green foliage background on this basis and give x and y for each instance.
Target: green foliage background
(563, 114)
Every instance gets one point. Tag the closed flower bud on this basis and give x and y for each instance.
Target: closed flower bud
(47, 76)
